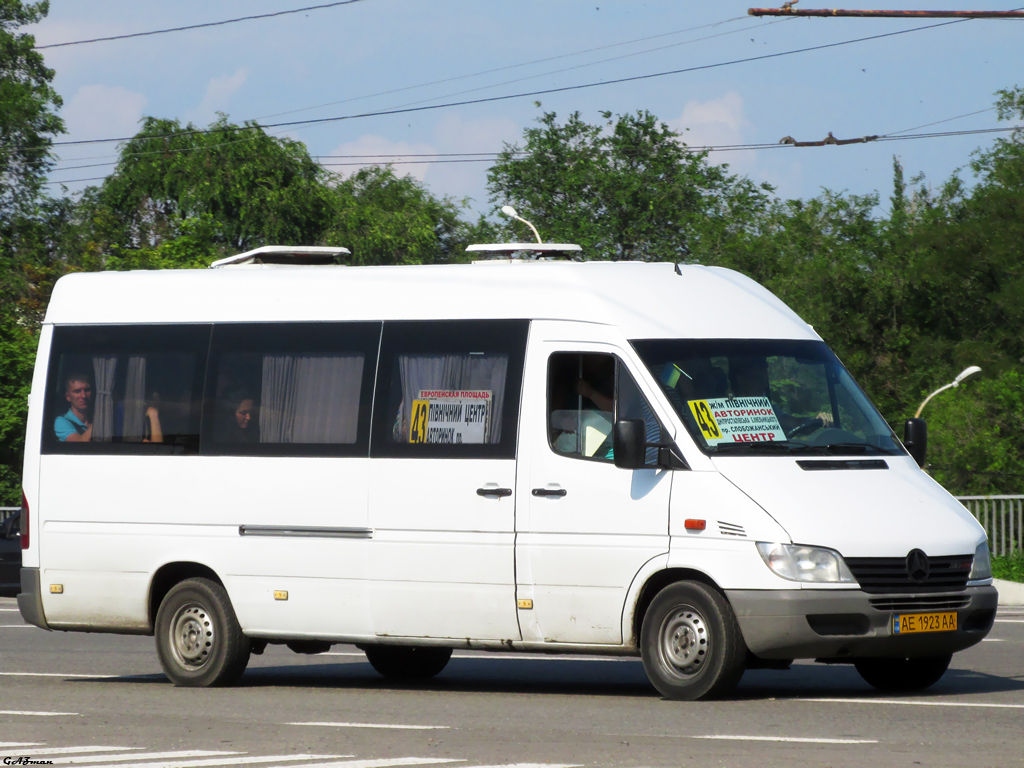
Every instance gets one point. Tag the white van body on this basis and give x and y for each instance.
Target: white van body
(518, 538)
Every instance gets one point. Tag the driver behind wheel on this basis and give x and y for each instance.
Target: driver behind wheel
(748, 377)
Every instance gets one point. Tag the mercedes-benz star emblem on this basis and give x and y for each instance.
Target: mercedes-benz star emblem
(917, 566)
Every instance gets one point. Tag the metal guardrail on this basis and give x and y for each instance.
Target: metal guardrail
(6, 512)
(1002, 518)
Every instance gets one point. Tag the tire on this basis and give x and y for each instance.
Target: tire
(691, 643)
(903, 675)
(407, 663)
(198, 638)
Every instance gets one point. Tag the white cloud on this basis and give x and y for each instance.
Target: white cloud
(469, 179)
(719, 121)
(371, 149)
(218, 95)
(714, 123)
(102, 111)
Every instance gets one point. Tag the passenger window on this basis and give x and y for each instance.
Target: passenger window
(587, 393)
(125, 389)
(290, 389)
(449, 389)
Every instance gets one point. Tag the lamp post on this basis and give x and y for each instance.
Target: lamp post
(509, 211)
(965, 373)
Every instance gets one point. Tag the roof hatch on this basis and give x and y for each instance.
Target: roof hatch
(284, 255)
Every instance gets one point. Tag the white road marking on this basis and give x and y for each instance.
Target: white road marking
(18, 626)
(975, 704)
(231, 761)
(38, 714)
(69, 750)
(5, 744)
(395, 726)
(10, 610)
(180, 754)
(796, 739)
(1009, 621)
(528, 765)
(59, 674)
(385, 763)
(992, 640)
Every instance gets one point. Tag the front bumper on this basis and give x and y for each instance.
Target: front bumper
(834, 625)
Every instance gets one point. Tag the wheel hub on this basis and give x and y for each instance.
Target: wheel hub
(192, 635)
(684, 643)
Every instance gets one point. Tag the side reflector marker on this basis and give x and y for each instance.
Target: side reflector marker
(695, 525)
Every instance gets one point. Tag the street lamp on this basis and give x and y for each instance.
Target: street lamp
(509, 211)
(965, 373)
(915, 430)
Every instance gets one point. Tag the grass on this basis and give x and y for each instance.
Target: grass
(1009, 567)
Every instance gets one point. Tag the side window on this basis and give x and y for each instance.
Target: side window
(290, 389)
(125, 389)
(587, 393)
(449, 389)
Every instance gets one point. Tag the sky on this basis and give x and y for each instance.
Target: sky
(437, 88)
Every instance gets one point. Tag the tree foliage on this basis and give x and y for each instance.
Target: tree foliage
(28, 121)
(628, 189)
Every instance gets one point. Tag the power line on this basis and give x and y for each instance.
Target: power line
(511, 66)
(483, 157)
(528, 94)
(196, 26)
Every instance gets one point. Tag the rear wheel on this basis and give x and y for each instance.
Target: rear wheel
(407, 662)
(198, 638)
(691, 643)
(903, 675)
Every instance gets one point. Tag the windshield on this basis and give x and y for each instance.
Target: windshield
(743, 397)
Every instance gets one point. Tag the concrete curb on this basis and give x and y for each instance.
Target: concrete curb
(1010, 592)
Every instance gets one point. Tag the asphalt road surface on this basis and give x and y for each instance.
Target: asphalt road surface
(101, 701)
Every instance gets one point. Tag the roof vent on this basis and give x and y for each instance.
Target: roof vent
(284, 255)
(526, 251)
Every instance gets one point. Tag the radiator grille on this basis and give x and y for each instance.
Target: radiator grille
(920, 603)
(890, 574)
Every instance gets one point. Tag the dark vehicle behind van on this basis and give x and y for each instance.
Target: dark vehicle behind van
(10, 555)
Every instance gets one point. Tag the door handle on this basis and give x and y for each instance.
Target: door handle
(548, 491)
(495, 492)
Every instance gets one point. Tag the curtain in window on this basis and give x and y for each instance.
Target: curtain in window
(104, 369)
(455, 372)
(135, 399)
(310, 399)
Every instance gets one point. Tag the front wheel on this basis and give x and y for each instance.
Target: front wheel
(691, 643)
(198, 638)
(407, 663)
(903, 675)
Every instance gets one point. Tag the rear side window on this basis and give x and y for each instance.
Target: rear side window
(290, 389)
(449, 389)
(125, 389)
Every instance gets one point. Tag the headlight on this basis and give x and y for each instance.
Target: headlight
(982, 568)
(800, 563)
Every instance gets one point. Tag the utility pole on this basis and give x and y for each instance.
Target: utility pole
(787, 9)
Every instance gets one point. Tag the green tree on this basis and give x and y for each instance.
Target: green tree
(28, 121)
(28, 124)
(629, 189)
(237, 185)
(387, 219)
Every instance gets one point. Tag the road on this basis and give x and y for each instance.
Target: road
(102, 702)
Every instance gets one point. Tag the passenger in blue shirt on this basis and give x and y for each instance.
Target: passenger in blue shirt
(75, 426)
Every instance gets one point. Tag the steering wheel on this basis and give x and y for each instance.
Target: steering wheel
(806, 427)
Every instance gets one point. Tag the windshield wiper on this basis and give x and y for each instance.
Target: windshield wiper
(769, 446)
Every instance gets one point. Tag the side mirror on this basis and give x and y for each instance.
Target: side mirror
(915, 439)
(629, 440)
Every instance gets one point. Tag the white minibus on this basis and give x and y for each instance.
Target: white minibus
(637, 459)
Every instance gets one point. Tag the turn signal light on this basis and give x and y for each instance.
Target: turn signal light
(695, 525)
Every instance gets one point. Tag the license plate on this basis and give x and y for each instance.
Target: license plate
(909, 623)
